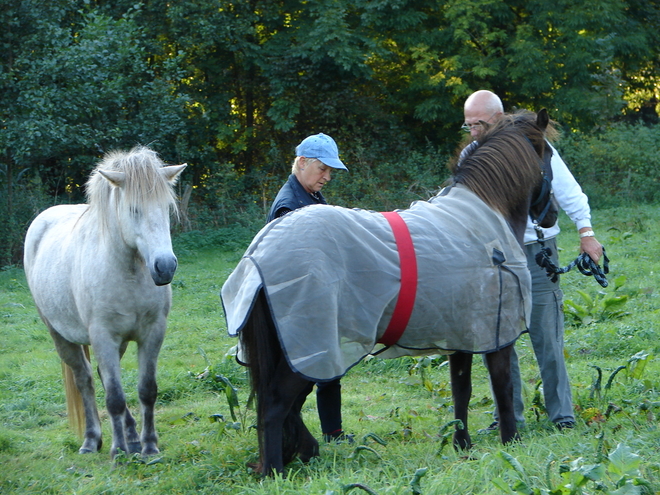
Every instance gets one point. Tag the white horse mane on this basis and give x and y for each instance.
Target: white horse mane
(143, 188)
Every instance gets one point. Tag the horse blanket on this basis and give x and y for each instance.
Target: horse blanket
(331, 277)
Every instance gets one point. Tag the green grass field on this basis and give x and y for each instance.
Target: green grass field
(397, 410)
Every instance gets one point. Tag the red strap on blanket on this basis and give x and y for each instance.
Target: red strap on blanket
(408, 289)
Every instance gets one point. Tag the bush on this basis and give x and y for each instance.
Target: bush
(385, 185)
(232, 238)
(619, 166)
(226, 216)
(21, 201)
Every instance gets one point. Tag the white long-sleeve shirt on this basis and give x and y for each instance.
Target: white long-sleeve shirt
(568, 193)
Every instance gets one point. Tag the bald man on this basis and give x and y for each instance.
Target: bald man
(546, 330)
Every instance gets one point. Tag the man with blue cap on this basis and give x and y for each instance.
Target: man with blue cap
(316, 157)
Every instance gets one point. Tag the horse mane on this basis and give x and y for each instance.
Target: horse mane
(144, 187)
(503, 166)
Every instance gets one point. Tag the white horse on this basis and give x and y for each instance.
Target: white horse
(99, 274)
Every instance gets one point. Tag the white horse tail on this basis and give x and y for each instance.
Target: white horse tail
(74, 404)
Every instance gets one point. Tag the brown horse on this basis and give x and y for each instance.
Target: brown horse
(365, 291)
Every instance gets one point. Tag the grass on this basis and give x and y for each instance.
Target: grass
(398, 410)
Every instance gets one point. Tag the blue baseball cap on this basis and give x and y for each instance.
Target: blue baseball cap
(322, 147)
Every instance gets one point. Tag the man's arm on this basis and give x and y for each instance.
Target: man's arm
(574, 202)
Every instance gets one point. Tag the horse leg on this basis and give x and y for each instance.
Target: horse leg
(309, 446)
(460, 370)
(499, 367)
(107, 353)
(148, 351)
(74, 357)
(280, 422)
(130, 431)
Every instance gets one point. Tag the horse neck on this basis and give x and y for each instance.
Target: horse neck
(518, 224)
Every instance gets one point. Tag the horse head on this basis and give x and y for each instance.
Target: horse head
(505, 168)
(140, 189)
(544, 209)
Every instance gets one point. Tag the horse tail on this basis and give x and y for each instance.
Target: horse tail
(74, 404)
(264, 353)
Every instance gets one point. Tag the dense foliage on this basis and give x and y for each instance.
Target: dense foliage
(232, 87)
(620, 166)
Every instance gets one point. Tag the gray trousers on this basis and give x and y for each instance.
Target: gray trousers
(546, 331)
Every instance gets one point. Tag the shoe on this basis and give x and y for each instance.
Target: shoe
(339, 437)
(494, 426)
(565, 425)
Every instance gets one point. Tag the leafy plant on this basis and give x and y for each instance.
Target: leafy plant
(222, 384)
(637, 364)
(596, 386)
(603, 306)
(422, 366)
(595, 412)
(616, 236)
(446, 433)
(617, 474)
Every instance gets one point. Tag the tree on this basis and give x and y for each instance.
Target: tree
(568, 57)
(232, 86)
(75, 86)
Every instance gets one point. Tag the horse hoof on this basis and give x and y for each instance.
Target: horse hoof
(256, 467)
(310, 453)
(149, 451)
(305, 458)
(462, 441)
(512, 439)
(90, 446)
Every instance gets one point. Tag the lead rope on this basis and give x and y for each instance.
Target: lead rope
(584, 263)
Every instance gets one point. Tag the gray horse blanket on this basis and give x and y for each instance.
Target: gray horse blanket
(332, 277)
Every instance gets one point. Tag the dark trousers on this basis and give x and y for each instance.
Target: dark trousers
(328, 403)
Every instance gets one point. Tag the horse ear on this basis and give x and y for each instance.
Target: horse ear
(171, 172)
(115, 178)
(542, 119)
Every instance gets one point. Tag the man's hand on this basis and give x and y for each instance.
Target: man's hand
(590, 245)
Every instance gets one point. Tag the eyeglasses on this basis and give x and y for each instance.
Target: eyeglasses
(468, 127)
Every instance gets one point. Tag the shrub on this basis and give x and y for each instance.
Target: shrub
(21, 201)
(616, 167)
(385, 185)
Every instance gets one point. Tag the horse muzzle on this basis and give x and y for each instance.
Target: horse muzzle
(163, 269)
